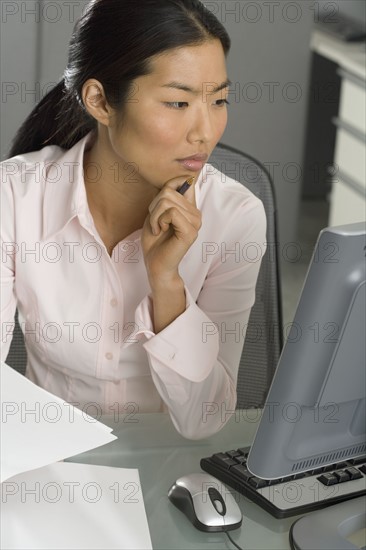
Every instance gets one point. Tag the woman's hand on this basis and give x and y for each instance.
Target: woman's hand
(176, 221)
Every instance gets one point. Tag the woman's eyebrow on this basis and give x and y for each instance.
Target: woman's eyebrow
(185, 88)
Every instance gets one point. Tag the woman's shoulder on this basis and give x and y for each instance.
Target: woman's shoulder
(25, 161)
(231, 212)
(20, 173)
(224, 192)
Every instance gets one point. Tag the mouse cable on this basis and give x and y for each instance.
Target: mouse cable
(229, 536)
(233, 541)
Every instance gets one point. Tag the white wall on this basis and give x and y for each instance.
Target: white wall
(56, 30)
(19, 53)
(34, 47)
(269, 64)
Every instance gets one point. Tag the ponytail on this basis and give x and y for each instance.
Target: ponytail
(58, 119)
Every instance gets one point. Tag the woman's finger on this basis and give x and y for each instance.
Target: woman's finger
(193, 215)
(182, 227)
(171, 195)
(189, 195)
(170, 190)
(156, 216)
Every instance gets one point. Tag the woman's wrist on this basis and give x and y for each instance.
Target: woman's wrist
(163, 283)
(169, 301)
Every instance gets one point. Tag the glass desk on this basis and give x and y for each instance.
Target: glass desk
(150, 443)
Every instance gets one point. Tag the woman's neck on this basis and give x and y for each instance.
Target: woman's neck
(115, 201)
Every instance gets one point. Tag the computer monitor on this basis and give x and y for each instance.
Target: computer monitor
(314, 413)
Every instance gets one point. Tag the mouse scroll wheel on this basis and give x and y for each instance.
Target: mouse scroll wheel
(217, 500)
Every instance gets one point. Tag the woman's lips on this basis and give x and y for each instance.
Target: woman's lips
(192, 165)
(195, 162)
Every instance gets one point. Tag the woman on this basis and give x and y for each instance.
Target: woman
(128, 291)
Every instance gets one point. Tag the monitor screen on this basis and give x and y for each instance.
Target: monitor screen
(315, 413)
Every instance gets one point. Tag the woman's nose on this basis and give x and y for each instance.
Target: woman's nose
(201, 128)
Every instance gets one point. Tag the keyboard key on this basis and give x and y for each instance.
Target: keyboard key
(299, 475)
(358, 460)
(220, 456)
(316, 471)
(353, 473)
(233, 454)
(342, 476)
(229, 463)
(274, 481)
(328, 479)
(223, 460)
(257, 482)
(240, 459)
(329, 468)
(287, 478)
(340, 465)
(244, 450)
(242, 472)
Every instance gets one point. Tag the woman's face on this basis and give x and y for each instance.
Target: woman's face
(162, 123)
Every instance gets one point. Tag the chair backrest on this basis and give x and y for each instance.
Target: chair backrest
(264, 341)
(17, 356)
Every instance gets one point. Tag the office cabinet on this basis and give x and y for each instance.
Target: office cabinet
(348, 195)
(352, 109)
(347, 172)
(347, 206)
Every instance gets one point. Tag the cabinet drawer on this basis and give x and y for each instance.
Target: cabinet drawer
(347, 205)
(350, 156)
(352, 108)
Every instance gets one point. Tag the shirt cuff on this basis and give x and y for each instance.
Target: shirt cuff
(189, 345)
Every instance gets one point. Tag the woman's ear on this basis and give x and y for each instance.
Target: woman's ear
(95, 102)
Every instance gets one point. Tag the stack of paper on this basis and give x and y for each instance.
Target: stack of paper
(57, 505)
(38, 428)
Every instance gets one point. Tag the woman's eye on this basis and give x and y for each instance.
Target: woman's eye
(179, 104)
(222, 102)
(175, 104)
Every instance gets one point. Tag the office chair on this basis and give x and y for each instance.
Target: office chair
(264, 338)
(263, 342)
(17, 356)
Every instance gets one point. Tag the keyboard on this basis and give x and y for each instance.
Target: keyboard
(294, 494)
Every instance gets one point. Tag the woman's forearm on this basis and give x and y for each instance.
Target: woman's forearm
(169, 301)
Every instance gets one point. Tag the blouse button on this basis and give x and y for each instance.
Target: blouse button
(109, 355)
(113, 302)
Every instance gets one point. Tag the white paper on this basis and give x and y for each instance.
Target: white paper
(38, 428)
(74, 506)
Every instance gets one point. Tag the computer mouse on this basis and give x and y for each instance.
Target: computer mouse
(206, 502)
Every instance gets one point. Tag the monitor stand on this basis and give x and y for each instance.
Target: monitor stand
(339, 527)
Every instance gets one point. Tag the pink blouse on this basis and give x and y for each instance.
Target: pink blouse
(88, 317)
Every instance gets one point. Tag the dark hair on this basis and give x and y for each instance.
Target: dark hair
(113, 37)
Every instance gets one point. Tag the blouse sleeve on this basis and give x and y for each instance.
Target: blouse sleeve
(8, 249)
(194, 360)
